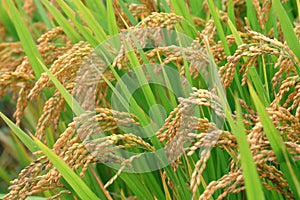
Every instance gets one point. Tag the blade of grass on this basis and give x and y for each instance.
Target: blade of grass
(252, 181)
(135, 183)
(25, 38)
(87, 34)
(214, 12)
(21, 153)
(181, 9)
(128, 13)
(251, 15)
(231, 12)
(4, 176)
(287, 165)
(63, 22)
(112, 25)
(43, 14)
(287, 28)
(196, 7)
(5, 20)
(90, 20)
(27, 141)
(82, 190)
(163, 6)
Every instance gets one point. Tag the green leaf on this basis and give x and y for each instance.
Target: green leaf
(127, 13)
(214, 12)
(181, 9)
(43, 13)
(63, 22)
(84, 31)
(69, 175)
(252, 182)
(90, 20)
(112, 24)
(25, 38)
(27, 141)
(251, 15)
(231, 12)
(287, 28)
(5, 20)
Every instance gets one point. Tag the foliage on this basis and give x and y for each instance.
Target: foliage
(46, 52)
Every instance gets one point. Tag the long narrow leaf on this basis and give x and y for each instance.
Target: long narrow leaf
(63, 22)
(287, 28)
(27, 141)
(112, 25)
(90, 20)
(25, 37)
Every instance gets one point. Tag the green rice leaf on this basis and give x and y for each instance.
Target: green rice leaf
(213, 9)
(84, 31)
(181, 9)
(231, 12)
(252, 182)
(43, 13)
(127, 13)
(5, 20)
(24, 137)
(25, 38)
(251, 15)
(112, 25)
(90, 20)
(287, 28)
(63, 22)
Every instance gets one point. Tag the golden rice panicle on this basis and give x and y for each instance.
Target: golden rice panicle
(3, 32)
(49, 52)
(29, 8)
(171, 125)
(286, 86)
(286, 67)
(223, 182)
(150, 4)
(139, 11)
(64, 68)
(50, 115)
(13, 80)
(265, 10)
(21, 187)
(259, 13)
(11, 56)
(209, 31)
(167, 20)
(227, 71)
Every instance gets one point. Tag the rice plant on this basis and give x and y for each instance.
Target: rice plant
(165, 99)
